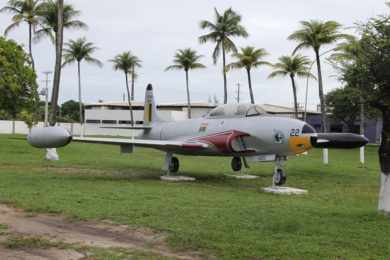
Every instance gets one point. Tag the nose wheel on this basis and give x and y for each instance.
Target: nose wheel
(236, 164)
(279, 175)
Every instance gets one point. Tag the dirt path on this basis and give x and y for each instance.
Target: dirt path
(92, 234)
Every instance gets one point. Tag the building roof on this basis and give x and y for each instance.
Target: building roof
(141, 104)
(269, 108)
(276, 109)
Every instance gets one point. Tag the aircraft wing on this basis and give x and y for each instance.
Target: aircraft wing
(137, 127)
(158, 144)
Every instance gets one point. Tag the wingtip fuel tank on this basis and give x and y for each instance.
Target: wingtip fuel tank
(49, 137)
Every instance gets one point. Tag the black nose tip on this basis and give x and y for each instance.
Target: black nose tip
(338, 140)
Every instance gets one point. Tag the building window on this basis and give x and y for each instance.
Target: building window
(92, 121)
(109, 121)
(139, 122)
(124, 122)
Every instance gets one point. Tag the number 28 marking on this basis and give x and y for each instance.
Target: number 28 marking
(294, 132)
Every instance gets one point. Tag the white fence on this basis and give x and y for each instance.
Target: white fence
(74, 128)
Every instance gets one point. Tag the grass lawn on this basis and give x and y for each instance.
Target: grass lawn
(224, 217)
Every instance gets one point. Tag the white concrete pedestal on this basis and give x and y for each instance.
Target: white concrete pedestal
(177, 178)
(51, 154)
(384, 194)
(284, 190)
(242, 176)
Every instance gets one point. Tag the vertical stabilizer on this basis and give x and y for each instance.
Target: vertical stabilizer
(150, 109)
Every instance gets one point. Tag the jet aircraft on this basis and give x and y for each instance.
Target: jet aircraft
(244, 132)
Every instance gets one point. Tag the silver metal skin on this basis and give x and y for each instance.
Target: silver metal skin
(49, 137)
(240, 131)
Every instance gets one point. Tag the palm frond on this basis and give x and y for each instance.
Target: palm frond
(186, 59)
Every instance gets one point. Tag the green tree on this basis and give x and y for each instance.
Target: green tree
(314, 35)
(247, 59)
(136, 63)
(346, 54)
(23, 11)
(221, 31)
(54, 17)
(17, 93)
(70, 111)
(77, 51)
(292, 66)
(125, 63)
(370, 74)
(48, 19)
(186, 59)
(343, 105)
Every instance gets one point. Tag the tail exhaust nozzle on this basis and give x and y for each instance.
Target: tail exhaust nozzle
(338, 140)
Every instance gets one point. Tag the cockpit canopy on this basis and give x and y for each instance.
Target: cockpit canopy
(236, 110)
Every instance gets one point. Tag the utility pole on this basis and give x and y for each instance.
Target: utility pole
(238, 92)
(46, 94)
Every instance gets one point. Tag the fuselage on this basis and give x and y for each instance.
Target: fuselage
(262, 134)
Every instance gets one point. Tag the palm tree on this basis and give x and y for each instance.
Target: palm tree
(125, 63)
(249, 58)
(315, 34)
(292, 66)
(136, 63)
(54, 17)
(48, 19)
(221, 31)
(346, 53)
(77, 51)
(23, 11)
(186, 59)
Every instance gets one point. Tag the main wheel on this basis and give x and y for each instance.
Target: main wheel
(174, 165)
(279, 177)
(236, 164)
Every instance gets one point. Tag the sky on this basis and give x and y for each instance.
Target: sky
(154, 30)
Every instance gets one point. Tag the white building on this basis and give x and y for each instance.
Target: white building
(118, 113)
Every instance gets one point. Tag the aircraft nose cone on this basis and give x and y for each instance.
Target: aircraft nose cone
(338, 140)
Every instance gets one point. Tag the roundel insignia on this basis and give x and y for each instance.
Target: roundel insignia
(278, 137)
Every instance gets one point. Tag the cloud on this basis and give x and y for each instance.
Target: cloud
(153, 30)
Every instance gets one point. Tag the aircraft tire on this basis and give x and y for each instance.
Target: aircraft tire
(174, 165)
(279, 177)
(236, 164)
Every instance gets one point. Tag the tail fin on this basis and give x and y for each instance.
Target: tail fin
(150, 108)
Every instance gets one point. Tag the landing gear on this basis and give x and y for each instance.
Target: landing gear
(174, 165)
(279, 175)
(236, 164)
(171, 163)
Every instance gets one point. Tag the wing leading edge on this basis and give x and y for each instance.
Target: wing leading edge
(158, 144)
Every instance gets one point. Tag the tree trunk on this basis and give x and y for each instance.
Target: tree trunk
(188, 96)
(30, 46)
(224, 75)
(295, 95)
(248, 72)
(129, 99)
(324, 125)
(384, 160)
(132, 82)
(58, 63)
(362, 116)
(80, 99)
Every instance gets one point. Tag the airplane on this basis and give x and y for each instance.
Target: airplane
(244, 132)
